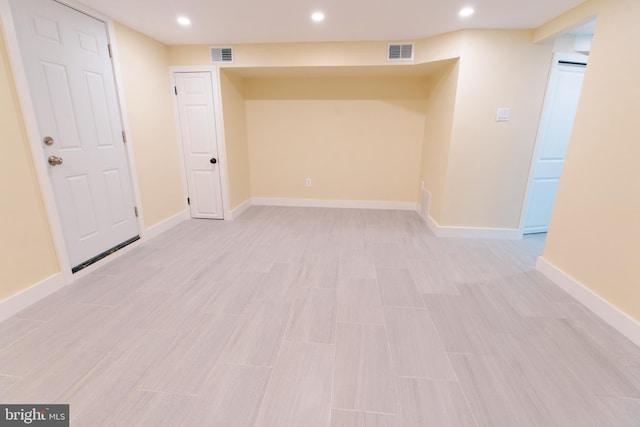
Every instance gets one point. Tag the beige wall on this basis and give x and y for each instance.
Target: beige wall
(235, 138)
(595, 228)
(477, 178)
(357, 138)
(27, 255)
(437, 136)
(149, 102)
(488, 163)
(582, 14)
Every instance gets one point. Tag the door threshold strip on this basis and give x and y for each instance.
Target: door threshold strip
(104, 254)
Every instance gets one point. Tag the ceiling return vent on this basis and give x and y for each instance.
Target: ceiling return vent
(400, 52)
(221, 55)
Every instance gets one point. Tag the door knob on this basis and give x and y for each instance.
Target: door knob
(55, 160)
(213, 160)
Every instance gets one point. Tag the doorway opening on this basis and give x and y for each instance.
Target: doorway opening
(556, 125)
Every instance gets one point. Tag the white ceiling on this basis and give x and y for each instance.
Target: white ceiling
(267, 21)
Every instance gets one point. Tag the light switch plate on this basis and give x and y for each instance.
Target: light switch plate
(503, 115)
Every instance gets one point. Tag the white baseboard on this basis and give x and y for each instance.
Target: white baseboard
(166, 225)
(31, 295)
(599, 306)
(471, 232)
(238, 210)
(322, 203)
(462, 232)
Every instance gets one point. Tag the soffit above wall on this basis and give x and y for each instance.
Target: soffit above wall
(421, 70)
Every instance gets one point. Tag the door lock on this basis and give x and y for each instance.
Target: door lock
(55, 160)
(48, 140)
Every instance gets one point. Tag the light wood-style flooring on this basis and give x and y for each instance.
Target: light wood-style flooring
(320, 317)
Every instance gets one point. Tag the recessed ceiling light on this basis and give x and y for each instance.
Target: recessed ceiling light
(466, 11)
(317, 17)
(184, 21)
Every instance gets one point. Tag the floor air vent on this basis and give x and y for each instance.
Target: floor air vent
(221, 54)
(400, 52)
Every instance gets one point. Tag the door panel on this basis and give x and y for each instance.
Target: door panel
(68, 68)
(84, 213)
(560, 107)
(200, 144)
(541, 190)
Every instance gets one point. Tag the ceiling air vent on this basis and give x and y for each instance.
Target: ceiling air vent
(221, 54)
(400, 52)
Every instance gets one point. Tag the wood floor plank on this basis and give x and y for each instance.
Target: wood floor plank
(589, 363)
(359, 301)
(623, 412)
(363, 378)
(299, 390)
(430, 278)
(62, 373)
(186, 366)
(98, 395)
(314, 317)
(487, 399)
(259, 335)
(6, 382)
(458, 329)
(356, 263)
(235, 296)
(416, 349)
(433, 403)
(341, 418)
(398, 289)
(145, 408)
(231, 397)
(78, 328)
(320, 271)
(13, 329)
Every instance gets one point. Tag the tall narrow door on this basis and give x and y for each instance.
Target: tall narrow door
(68, 67)
(194, 92)
(560, 107)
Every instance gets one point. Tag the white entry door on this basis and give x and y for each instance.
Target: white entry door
(556, 124)
(194, 92)
(68, 67)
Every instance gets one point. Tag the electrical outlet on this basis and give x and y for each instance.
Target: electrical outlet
(503, 115)
(307, 182)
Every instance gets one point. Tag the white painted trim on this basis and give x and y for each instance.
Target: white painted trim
(33, 132)
(464, 232)
(432, 224)
(31, 295)
(176, 120)
(323, 203)
(602, 308)
(217, 107)
(471, 232)
(167, 224)
(542, 122)
(124, 120)
(239, 210)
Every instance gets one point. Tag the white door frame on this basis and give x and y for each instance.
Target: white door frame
(217, 109)
(553, 75)
(33, 134)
